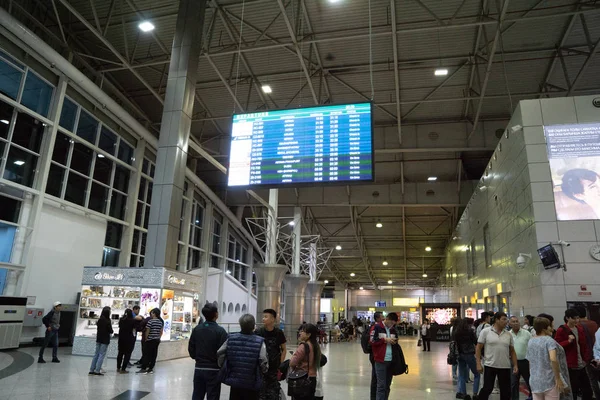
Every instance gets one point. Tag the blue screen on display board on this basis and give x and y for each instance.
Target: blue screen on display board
(303, 146)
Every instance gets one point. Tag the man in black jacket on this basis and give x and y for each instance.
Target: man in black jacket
(206, 339)
(52, 323)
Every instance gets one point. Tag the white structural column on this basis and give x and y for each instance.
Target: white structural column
(165, 213)
(295, 284)
(312, 303)
(270, 275)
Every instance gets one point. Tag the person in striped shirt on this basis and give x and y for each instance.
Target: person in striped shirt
(152, 335)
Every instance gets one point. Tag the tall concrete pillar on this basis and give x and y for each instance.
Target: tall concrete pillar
(269, 278)
(295, 286)
(165, 213)
(312, 303)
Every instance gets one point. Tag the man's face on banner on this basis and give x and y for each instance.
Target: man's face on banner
(591, 191)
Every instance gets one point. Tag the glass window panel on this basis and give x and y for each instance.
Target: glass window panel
(152, 169)
(132, 261)
(117, 205)
(121, 181)
(87, 127)
(142, 191)
(108, 141)
(103, 169)
(20, 166)
(231, 249)
(238, 252)
(68, 115)
(195, 259)
(9, 58)
(142, 261)
(110, 257)
(149, 194)
(2, 147)
(197, 237)
(146, 216)
(61, 148)
(76, 189)
(139, 212)
(214, 262)
(98, 198)
(37, 94)
(125, 152)
(6, 113)
(28, 132)
(145, 166)
(81, 159)
(55, 180)
(113, 235)
(199, 215)
(143, 245)
(10, 80)
(244, 255)
(135, 243)
(216, 245)
(10, 209)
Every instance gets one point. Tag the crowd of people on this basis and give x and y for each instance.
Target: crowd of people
(555, 361)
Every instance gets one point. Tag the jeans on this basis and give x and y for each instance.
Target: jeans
(593, 375)
(150, 354)
(98, 359)
(373, 378)
(580, 381)
(454, 371)
(426, 344)
(516, 379)
(489, 377)
(467, 362)
(206, 383)
(51, 337)
(384, 379)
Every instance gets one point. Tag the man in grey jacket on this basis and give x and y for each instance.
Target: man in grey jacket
(52, 323)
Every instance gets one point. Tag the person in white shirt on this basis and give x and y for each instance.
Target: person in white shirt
(521, 338)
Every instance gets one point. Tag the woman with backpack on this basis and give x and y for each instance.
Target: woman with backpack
(466, 340)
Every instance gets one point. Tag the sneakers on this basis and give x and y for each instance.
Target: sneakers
(96, 373)
(150, 371)
(475, 397)
(142, 371)
(41, 361)
(55, 360)
(463, 396)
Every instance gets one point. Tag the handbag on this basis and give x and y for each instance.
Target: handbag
(298, 379)
(453, 354)
(419, 342)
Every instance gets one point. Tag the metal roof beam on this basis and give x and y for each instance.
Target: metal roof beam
(396, 73)
(584, 67)
(361, 245)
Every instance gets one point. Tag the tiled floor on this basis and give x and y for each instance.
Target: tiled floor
(346, 376)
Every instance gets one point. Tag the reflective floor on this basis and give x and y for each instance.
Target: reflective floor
(346, 376)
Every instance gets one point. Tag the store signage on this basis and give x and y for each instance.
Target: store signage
(584, 294)
(380, 304)
(596, 102)
(176, 281)
(106, 276)
(371, 309)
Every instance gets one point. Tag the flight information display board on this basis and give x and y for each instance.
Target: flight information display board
(313, 145)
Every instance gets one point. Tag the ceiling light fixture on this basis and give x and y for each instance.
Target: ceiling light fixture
(353, 274)
(292, 223)
(427, 248)
(361, 288)
(146, 26)
(390, 282)
(4, 121)
(228, 272)
(338, 247)
(267, 89)
(100, 155)
(385, 262)
(379, 224)
(424, 275)
(19, 162)
(432, 178)
(326, 281)
(441, 72)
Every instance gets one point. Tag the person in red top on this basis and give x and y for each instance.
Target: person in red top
(590, 327)
(378, 316)
(571, 336)
(384, 336)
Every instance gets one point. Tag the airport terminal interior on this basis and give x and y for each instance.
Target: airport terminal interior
(331, 160)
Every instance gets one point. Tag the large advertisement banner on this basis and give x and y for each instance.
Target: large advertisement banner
(574, 155)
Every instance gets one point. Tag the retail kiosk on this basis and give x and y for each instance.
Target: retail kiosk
(174, 293)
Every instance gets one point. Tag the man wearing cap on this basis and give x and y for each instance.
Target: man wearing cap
(52, 323)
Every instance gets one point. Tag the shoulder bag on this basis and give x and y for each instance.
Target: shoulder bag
(298, 379)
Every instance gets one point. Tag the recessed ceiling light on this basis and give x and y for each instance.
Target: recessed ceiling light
(100, 155)
(4, 121)
(361, 288)
(432, 178)
(424, 275)
(390, 282)
(379, 224)
(352, 274)
(427, 248)
(326, 281)
(146, 26)
(338, 247)
(441, 72)
(19, 162)
(267, 89)
(385, 262)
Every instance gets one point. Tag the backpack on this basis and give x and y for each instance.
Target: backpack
(365, 340)
(452, 358)
(399, 366)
